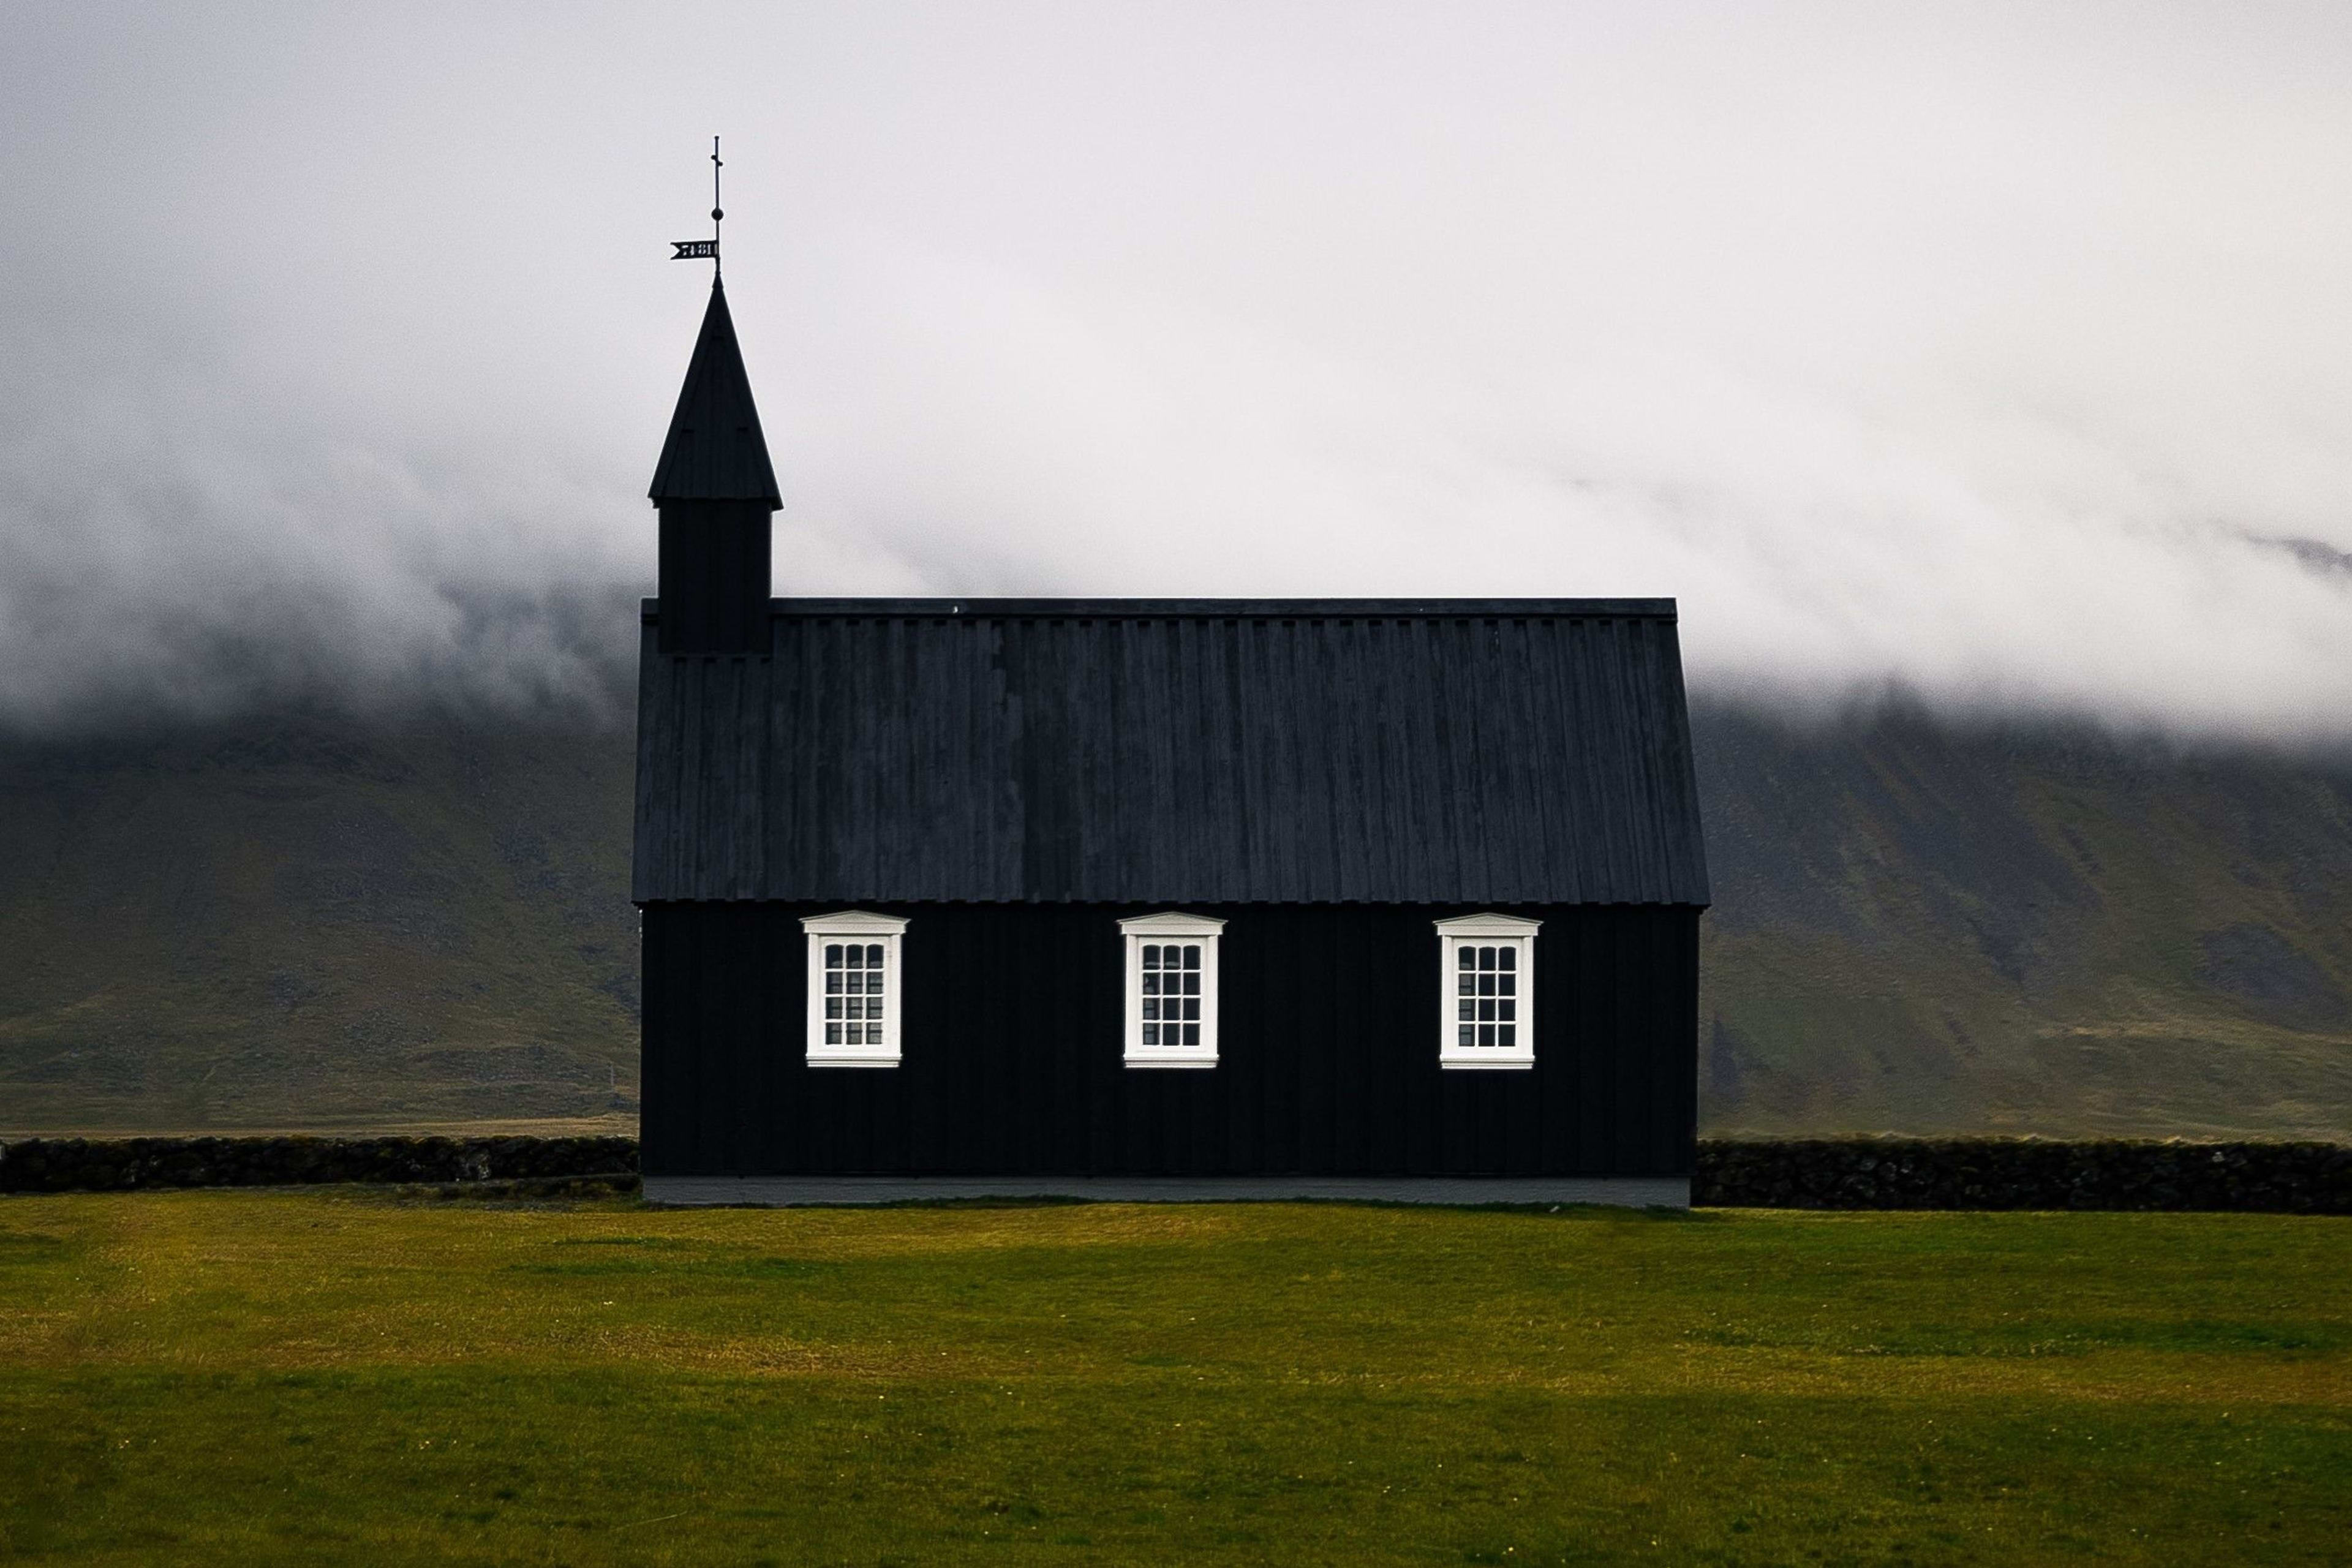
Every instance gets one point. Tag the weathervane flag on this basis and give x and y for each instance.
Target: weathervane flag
(697, 249)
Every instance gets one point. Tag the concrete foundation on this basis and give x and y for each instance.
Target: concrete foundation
(783, 1191)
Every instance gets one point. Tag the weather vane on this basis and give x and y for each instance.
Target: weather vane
(695, 249)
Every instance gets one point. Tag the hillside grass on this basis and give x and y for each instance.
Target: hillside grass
(1944, 927)
(345, 1377)
(321, 924)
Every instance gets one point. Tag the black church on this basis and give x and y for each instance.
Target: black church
(1388, 898)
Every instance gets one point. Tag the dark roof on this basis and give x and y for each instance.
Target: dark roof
(1439, 752)
(715, 450)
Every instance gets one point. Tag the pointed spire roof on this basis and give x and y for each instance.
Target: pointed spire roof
(715, 450)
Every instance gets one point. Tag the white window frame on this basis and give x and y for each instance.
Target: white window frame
(1485, 931)
(868, 928)
(1184, 929)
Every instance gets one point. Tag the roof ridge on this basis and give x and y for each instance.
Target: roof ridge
(1140, 609)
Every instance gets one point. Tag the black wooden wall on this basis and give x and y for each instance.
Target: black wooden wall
(1012, 1038)
(715, 560)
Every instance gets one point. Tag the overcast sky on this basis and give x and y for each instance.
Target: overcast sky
(2004, 353)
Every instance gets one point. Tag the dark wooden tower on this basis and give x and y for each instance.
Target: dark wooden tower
(717, 494)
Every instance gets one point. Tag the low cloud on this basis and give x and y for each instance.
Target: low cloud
(224, 555)
(2321, 558)
(1996, 357)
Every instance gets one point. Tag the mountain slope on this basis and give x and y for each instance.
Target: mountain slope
(320, 921)
(1926, 927)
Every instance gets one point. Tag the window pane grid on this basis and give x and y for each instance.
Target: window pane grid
(1486, 995)
(1171, 994)
(854, 994)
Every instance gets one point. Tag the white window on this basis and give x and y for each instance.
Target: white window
(854, 982)
(1172, 991)
(1487, 1002)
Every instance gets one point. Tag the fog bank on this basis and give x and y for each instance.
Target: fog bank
(1998, 357)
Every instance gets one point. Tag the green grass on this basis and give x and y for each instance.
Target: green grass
(338, 1376)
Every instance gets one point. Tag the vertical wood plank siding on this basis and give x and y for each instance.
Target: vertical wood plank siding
(1536, 754)
(1012, 1034)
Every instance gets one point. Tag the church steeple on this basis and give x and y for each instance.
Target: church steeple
(715, 450)
(714, 486)
(716, 491)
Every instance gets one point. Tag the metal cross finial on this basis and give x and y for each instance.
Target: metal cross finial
(696, 249)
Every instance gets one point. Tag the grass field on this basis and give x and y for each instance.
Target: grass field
(341, 1376)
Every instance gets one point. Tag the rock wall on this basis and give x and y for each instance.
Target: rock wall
(2022, 1174)
(1818, 1174)
(78, 1165)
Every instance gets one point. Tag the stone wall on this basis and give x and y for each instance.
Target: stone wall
(1825, 1174)
(2022, 1174)
(113, 1164)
